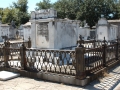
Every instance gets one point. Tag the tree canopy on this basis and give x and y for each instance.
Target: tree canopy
(17, 12)
(88, 10)
(92, 10)
(65, 8)
(22, 15)
(21, 5)
(45, 4)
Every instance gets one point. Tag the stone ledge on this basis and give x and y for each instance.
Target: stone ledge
(67, 79)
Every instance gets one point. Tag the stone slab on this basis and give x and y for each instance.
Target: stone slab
(5, 75)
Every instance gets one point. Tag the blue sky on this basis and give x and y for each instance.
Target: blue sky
(31, 3)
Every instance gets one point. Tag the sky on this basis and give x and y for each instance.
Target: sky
(31, 3)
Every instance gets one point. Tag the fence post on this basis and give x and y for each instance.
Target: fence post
(80, 41)
(80, 61)
(6, 52)
(94, 42)
(104, 46)
(117, 51)
(29, 42)
(23, 57)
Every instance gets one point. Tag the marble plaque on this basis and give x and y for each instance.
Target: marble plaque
(5, 75)
(42, 30)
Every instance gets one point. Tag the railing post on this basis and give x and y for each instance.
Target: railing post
(23, 57)
(80, 61)
(29, 42)
(104, 46)
(80, 41)
(6, 56)
(6, 52)
(94, 42)
(117, 51)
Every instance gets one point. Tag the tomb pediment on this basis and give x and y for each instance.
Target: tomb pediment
(44, 14)
(102, 21)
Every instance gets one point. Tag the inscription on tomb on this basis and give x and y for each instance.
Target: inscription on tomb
(42, 30)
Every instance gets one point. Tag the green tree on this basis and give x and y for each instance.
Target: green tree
(17, 12)
(66, 8)
(89, 10)
(1, 11)
(45, 4)
(21, 5)
(21, 14)
(92, 10)
(117, 10)
(8, 15)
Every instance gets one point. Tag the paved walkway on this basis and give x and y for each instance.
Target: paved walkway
(111, 81)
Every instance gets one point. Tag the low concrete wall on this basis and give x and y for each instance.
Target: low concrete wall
(54, 77)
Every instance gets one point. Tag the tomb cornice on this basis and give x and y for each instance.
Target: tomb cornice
(113, 25)
(32, 20)
(103, 25)
(45, 20)
(27, 26)
(68, 21)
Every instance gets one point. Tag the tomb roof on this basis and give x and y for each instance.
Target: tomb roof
(44, 14)
(4, 25)
(27, 24)
(117, 20)
(102, 21)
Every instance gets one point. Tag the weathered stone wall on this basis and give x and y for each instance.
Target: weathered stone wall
(85, 32)
(42, 35)
(27, 32)
(66, 34)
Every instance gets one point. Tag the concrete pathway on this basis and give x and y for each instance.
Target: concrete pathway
(111, 81)
(23, 83)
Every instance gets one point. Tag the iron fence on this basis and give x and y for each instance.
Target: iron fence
(18, 44)
(78, 62)
(111, 52)
(1, 57)
(94, 43)
(57, 61)
(2, 45)
(14, 58)
(88, 44)
(93, 59)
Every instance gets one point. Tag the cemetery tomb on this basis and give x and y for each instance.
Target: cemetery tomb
(104, 29)
(52, 33)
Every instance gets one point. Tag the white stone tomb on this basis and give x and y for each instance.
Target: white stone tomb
(104, 29)
(51, 33)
